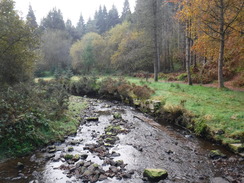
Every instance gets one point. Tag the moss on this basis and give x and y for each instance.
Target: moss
(117, 115)
(155, 174)
(113, 129)
(68, 156)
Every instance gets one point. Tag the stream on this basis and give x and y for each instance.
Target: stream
(116, 145)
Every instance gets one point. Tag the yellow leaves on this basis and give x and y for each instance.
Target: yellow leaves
(77, 50)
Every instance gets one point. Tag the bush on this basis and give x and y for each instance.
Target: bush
(123, 90)
(142, 92)
(84, 86)
(182, 77)
(239, 81)
(25, 109)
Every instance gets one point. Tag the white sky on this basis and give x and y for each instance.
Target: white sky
(71, 9)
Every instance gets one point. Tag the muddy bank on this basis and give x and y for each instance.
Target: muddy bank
(116, 145)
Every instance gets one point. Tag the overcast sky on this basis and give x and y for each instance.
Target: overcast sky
(71, 9)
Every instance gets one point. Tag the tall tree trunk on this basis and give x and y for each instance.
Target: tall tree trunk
(155, 36)
(222, 46)
(188, 55)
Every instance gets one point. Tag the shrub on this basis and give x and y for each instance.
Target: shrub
(25, 109)
(239, 81)
(115, 87)
(84, 86)
(142, 92)
(182, 77)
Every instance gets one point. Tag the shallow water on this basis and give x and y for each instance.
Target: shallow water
(147, 145)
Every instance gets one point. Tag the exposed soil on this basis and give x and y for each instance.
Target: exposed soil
(116, 145)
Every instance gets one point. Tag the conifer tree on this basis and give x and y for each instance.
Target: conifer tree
(126, 13)
(31, 18)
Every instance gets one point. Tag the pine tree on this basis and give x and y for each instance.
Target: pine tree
(113, 18)
(91, 26)
(147, 15)
(101, 20)
(126, 13)
(71, 30)
(54, 20)
(31, 18)
(80, 28)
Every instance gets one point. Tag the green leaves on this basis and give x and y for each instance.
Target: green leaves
(17, 41)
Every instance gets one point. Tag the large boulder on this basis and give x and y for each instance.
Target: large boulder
(155, 174)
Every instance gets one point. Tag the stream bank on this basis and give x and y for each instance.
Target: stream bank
(116, 145)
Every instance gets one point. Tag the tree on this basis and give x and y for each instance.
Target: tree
(90, 26)
(17, 43)
(54, 20)
(113, 18)
(126, 13)
(80, 28)
(147, 17)
(55, 49)
(214, 22)
(101, 20)
(31, 18)
(132, 55)
(86, 53)
(70, 30)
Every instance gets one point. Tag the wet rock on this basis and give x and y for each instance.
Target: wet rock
(70, 149)
(74, 142)
(218, 180)
(87, 164)
(238, 148)
(155, 174)
(126, 175)
(117, 115)
(87, 173)
(20, 166)
(76, 157)
(83, 156)
(91, 118)
(94, 178)
(49, 156)
(108, 145)
(52, 150)
(33, 158)
(79, 164)
(119, 163)
(102, 177)
(114, 169)
(216, 154)
(56, 158)
(111, 140)
(114, 154)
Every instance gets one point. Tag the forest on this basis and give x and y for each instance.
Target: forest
(166, 50)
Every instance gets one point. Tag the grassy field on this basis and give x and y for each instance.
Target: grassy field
(219, 109)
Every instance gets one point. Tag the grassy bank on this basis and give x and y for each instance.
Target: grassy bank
(56, 131)
(221, 110)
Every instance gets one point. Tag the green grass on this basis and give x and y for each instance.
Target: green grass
(67, 125)
(219, 109)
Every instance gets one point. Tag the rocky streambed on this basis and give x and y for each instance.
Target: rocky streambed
(116, 143)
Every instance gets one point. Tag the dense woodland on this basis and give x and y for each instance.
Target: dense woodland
(202, 40)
